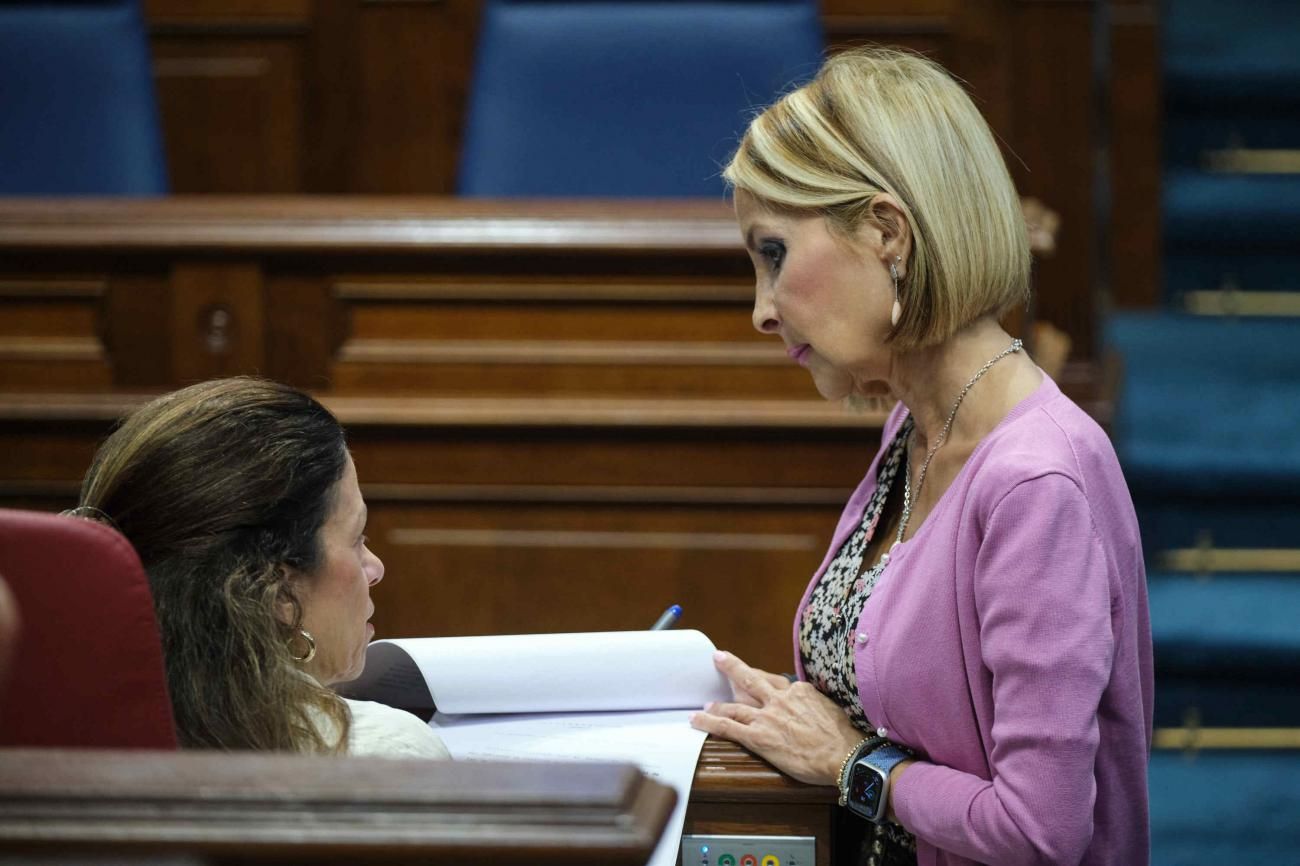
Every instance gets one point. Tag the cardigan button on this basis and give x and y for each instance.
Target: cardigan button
(881, 732)
(862, 638)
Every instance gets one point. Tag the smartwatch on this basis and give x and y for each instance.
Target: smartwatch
(868, 783)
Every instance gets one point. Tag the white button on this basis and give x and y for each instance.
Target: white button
(881, 732)
(862, 638)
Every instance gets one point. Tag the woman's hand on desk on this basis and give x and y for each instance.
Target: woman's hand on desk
(793, 726)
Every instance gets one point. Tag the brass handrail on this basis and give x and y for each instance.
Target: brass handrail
(1207, 560)
(1193, 738)
(1248, 160)
(1231, 301)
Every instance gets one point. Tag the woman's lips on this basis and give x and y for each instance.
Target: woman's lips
(799, 354)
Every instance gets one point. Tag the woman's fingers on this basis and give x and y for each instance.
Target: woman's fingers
(743, 713)
(721, 726)
(730, 721)
(796, 728)
(747, 681)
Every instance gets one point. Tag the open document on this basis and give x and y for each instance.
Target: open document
(607, 696)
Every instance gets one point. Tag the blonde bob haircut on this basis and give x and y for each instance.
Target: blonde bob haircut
(875, 121)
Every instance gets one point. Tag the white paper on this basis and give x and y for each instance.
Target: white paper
(661, 743)
(624, 697)
(556, 673)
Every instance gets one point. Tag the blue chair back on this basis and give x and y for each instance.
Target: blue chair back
(625, 98)
(78, 114)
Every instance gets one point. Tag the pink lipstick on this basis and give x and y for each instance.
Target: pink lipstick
(799, 354)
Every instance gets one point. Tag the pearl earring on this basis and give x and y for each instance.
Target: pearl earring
(896, 312)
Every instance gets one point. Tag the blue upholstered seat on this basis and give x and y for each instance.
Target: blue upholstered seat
(625, 97)
(78, 114)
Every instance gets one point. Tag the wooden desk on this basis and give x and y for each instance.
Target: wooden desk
(737, 793)
(76, 806)
(64, 806)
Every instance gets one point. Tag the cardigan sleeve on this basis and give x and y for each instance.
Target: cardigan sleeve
(1042, 596)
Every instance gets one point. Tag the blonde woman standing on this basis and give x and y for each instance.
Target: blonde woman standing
(974, 653)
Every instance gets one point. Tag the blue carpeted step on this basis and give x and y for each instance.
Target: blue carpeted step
(1228, 624)
(1225, 701)
(1181, 518)
(1216, 51)
(1225, 807)
(1209, 407)
(1198, 137)
(1227, 649)
(1226, 212)
(1201, 269)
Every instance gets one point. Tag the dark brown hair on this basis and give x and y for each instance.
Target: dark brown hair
(219, 487)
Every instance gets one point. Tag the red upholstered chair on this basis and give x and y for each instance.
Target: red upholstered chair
(87, 669)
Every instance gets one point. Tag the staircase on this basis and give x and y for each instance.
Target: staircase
(1207, 428)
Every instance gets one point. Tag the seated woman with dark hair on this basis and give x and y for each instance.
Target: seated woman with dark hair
(242, 501)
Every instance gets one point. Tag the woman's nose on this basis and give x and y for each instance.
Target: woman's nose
(375, 571)
(765, 320)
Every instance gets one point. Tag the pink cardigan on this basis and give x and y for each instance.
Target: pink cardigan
(1009, 644)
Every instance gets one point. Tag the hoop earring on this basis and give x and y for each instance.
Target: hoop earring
(311, 646)
(896, 312)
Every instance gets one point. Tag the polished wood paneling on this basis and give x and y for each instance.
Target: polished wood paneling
(403, 113)
(536, 240)
(561, 415)
(75, 806)
(137, 322)
(217, 321)
(1053, 51)
(497, 516)
(347, 96)
(482, 567)
(1135, 132)
(49, 335)
(172, 11)
(595, 334)
(560, 412)
(231, 106)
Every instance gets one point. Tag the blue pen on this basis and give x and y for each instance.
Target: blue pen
(669, 618)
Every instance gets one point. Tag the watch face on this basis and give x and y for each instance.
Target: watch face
(864, 789)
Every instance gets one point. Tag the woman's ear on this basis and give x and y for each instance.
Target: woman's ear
(889, 218)
(288, 609)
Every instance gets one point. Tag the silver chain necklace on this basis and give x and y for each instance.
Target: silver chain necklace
(1015, 346)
